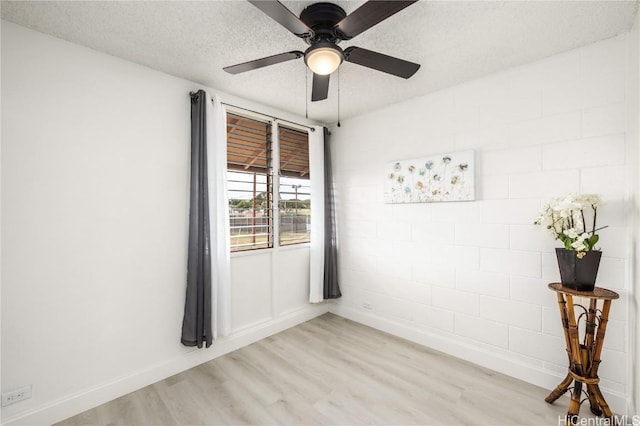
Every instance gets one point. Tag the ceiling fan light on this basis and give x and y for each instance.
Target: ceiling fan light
(323, 60)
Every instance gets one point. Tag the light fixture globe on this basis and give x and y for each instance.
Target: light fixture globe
(323, 58)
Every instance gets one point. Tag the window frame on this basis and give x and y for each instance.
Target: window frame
(272, 174)
(266, 170)
(293, 130)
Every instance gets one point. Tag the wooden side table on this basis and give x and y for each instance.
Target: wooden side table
(584, 358)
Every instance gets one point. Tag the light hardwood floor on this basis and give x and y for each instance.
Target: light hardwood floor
(331, 371)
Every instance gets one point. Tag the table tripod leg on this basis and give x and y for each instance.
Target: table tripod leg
(574, 404)
(593, 400)
(606, 411)
(564, 385)
(576, 358)
(559, 390)
(589, 364)
(595, 389)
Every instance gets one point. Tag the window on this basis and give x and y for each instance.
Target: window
(295, 191)
(251, 182)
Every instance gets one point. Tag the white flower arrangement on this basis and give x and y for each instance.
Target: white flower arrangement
(565, 219)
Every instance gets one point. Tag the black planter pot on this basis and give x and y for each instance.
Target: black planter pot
(578, 274)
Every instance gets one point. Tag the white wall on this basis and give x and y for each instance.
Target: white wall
(267, 284)
(94, 216)
(634, 141)
(471, 278)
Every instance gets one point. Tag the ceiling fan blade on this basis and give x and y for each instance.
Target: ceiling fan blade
(380, 62)
(279, 13)
(368, 15)
(263, 62)
(320, 88)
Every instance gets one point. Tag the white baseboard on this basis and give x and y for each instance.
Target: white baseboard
(74, 404)
(466, 351)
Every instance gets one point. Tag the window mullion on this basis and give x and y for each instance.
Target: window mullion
(275, 176)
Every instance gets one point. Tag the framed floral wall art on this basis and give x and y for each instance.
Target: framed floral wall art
(437, 178)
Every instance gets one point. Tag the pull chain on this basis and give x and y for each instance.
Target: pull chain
(306, 92)
(338, 96)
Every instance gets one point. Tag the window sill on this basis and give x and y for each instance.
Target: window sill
(257, 252)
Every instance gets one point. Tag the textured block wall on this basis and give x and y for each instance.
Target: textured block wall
(476, 273)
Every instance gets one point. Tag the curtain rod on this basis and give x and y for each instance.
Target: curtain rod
(269, 115)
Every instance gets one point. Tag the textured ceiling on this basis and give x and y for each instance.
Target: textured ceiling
(455, 41)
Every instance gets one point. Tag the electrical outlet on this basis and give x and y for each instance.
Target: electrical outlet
(367, 305)
(16, 395)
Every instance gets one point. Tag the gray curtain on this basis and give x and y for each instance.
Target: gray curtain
(331, 288)
(196, 324)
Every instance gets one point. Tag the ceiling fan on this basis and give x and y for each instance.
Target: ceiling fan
(323, 26)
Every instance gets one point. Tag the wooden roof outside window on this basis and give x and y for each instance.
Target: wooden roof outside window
(249, 147)
(248, 144)
(294, 153)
